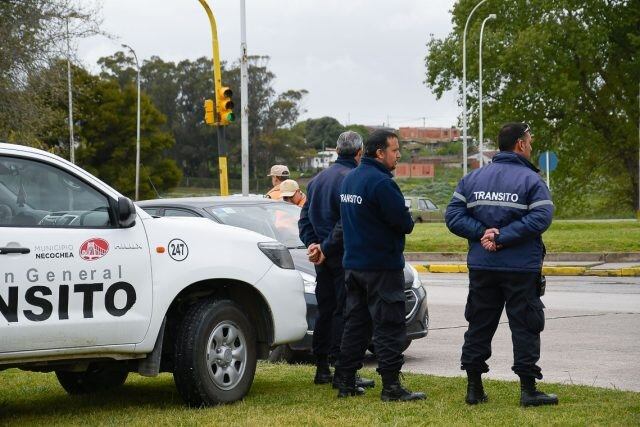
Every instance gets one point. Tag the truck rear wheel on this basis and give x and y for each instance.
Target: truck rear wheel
(98, 377)
(215, 354)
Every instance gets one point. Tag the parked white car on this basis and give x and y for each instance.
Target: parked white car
(93, 288)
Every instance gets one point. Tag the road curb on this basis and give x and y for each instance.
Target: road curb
(547, 270)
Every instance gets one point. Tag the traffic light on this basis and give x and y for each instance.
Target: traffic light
(225, 106)
(209, 117)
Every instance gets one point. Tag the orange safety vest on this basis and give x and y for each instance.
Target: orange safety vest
(274, 193)
(303, 199)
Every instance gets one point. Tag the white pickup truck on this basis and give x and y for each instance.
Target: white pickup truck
(93, 287)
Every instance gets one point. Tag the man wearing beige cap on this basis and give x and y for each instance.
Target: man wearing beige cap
(278, 174)
(291, 193)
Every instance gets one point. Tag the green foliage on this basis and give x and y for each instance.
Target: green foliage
(453, 148)
(285, 395)
(179, 91)
(106, 129)
(33, 34)
(571, 69)
(321, 133)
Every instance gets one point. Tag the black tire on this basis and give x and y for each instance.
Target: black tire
(97, 378)
(204, 330)
(418, 220)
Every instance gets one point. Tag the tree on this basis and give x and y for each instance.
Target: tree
(179, 91)
(571, 69)
(105, 126)
(33, 34)
(322, 133)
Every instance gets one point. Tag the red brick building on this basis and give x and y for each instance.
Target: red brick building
(424, 135)
(415, 170)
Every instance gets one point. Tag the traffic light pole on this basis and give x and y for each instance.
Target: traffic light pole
(222, 160)
(217, 82)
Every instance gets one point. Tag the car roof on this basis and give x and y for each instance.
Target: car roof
(208, 201)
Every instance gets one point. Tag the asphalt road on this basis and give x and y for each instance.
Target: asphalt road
(591, 337)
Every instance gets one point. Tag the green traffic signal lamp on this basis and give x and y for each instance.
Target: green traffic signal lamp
(225, 106)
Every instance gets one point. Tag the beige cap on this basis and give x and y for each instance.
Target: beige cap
(288, 188)
(279, 170)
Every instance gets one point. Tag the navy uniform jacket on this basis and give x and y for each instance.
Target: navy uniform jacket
(509, 195)
(375, 218)
(320, 217)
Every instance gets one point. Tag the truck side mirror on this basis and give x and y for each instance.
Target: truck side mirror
(126, 212)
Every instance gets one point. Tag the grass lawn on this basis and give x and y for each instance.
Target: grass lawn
(562, 236)
(284, 395)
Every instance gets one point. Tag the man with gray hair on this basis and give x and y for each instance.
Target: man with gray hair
(321, 232)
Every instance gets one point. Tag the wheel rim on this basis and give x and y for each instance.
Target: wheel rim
(226, 355)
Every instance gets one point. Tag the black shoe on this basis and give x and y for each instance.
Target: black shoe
(530, 396)
(395, 392)
(323, 375)
(360, 382)
(475, 390)
(346, 386)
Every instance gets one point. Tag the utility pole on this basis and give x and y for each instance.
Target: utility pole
(244, 100)
(480, 128)
(464, 88)
(72, 157)
(137, 193)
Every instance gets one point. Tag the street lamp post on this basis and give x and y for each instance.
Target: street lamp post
(137, 123)
(464, 88)
(244, 101)
(480, 128)
(72, 157)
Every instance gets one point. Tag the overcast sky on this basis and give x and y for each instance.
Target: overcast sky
(361, 60)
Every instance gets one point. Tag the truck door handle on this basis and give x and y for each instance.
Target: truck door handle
(4, 251)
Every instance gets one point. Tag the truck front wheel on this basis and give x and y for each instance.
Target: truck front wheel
(215, 354)
(98, 377)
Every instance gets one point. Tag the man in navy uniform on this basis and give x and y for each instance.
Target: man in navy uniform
(503, 209)
(321, 232)
(375, 221)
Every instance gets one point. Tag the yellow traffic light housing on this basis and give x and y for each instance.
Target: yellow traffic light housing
(209, 117)
(224, 105)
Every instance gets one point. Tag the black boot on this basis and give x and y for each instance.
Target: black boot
(393, 391)
(360, 382)
(346, 385)
(530, 396)
(323, 373)
(475, 391)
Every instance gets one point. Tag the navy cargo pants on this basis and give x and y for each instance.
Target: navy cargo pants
(330, 295)
(375, 305)
(489, 292)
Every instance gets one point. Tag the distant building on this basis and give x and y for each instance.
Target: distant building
(415, 170)
(430, 137)
(428, 134)
(322, 160)
(373, 128)
(487, 157)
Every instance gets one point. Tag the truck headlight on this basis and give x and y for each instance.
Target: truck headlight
(309, 283)
(278, 253)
